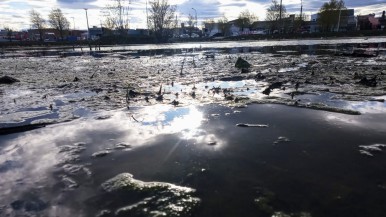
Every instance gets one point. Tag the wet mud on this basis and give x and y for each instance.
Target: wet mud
(56, 89)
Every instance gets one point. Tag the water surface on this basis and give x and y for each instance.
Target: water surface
(307, 162)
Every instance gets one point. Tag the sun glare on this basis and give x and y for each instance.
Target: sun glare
(188, 124)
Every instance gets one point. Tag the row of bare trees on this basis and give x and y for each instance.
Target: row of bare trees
(329, 17)
(116, 17)
(56, 20)
(246, 18)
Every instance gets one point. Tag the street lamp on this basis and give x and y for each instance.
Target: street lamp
(88, 28)
(196, 17)
(73, 21)
(340, 13)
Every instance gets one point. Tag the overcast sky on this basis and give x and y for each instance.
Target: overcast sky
(14, 13)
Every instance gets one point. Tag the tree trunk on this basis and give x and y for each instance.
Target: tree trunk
(61, 34)
(41, 35)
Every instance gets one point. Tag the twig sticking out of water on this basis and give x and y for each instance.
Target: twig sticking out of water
(160, 90)
(183, 63)
(194, 63)
(135, 119)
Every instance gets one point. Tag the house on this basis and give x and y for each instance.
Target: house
(368, 22)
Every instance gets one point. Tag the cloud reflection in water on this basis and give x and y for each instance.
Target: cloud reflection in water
(38, 153)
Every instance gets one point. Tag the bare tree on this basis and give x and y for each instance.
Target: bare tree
(117, 15)
(273, 14)
(223, 25)
(9, 33)
(37, 22)
(246, 19)
(58, 21)
(191, 23)
(329, 14)
(161, 18)
(109, 23)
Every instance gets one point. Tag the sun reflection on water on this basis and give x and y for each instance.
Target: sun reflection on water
(187, 122)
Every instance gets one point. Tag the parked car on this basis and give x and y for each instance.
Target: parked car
(184, 36)
(260, 32)
(194, 35)
(217, 35)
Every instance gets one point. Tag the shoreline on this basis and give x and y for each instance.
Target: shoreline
(96, 43)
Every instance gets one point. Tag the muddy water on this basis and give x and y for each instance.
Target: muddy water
(306, 46)
(194, 161)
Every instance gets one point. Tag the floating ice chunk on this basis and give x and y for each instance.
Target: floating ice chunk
(281, 139)
(101, 153)
(366, 153)
(252, 125)
(370, 149)
(158, 198)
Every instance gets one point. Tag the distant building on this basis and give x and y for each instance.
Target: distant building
(210, 29)
(137, 32)
(286, 25)
(348, 22)
(262, 25)
(95, 33)
(382, 21)
(3, 34)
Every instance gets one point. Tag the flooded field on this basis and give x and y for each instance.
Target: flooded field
(184, 130)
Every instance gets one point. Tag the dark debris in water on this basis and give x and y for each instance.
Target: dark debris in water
(30, 204)
(9, 165)
(8, 80)
(242, 64)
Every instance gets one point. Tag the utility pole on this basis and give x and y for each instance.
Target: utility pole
(88, 31)
(281, 1)
(301, 11)
(120, 21)
(88, 28)
(147, 17)
(196, 17)
(73, 21)
(340, 12)
(281, 23)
